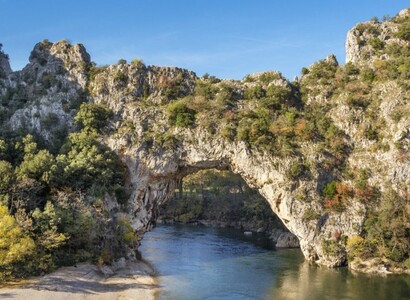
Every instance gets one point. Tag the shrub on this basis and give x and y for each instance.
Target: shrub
(331, 248)
(229, 132)
(48, 80)
(329, 191)
(50, 120)
(6, 176)
(93, 116)
(367, 74)
(277, 92)
(404, 31)
(355, 246)
(384, 226)
(180, 115)
(310, 215)
(205, 89)
(295, 171)
(122, 62)
(376, 43)
(255, 92)
(269, 77)
(121, 78)
(173, 88)
(137, 62)
(16, 246)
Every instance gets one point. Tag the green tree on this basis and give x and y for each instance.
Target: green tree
(86, 162)
(45, 226)
(36, 164)
(6, 176)
(93, 116)
(180, 115)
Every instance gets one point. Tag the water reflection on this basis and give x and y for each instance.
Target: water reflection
(206, 263)
(309, 281)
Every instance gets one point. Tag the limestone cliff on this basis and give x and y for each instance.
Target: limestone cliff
(323, 151)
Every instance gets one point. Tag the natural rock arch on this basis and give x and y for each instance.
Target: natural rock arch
(154, 178)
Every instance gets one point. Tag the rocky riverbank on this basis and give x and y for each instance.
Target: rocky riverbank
(123, 280)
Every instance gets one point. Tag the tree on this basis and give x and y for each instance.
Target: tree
(87, 162)
(6, 176)
(93, 116)
(45, 226)
(180, 115)
(36, 164)
(15, 245)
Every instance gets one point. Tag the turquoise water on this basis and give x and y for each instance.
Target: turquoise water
(210, 263)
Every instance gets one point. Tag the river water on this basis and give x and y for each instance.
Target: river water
(212, 264)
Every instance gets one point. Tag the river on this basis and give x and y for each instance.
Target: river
(196, 262)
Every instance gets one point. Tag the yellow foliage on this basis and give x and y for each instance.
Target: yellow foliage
(355, 246)
(14, 244)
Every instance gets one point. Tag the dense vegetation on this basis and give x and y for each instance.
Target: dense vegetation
(52, 211)
(220, 198)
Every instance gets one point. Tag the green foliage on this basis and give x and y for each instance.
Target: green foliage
(120, 78)
(48, 80)
(36, 164)
(122, 61)
(49, 121)
(180, 115)
(255, 92)
(277, 94)
(126, 232)
(2, 54)
(229, 132)
(45, 226)
(387, 234)
(322, 71)
(376, 43)
(174, 88)
(49, 217)
(6, 176)
(310, 215)
(332, 248)
(268, 77)
(206, 89)
(15, 245)
(295, 170)
(93, 116)
(329, 191)
(94, 70)
(367, 27)
(367, 74)
(87, 163)
(137, 62)
(404, 31)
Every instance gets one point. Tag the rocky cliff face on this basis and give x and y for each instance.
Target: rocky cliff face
(318, 150)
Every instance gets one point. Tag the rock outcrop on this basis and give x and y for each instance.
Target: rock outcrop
(306, 175)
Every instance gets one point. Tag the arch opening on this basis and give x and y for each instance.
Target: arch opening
(218, 197)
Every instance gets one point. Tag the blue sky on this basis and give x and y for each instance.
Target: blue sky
(225, 38)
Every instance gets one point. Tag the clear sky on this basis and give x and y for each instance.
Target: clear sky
(225, 38)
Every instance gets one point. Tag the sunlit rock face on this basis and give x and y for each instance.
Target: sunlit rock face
(157, 154)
